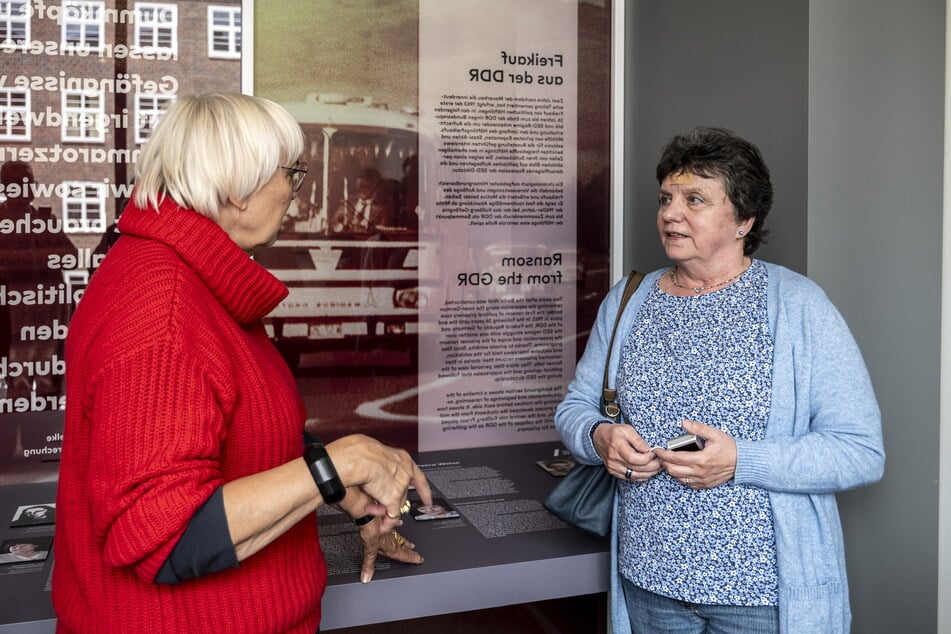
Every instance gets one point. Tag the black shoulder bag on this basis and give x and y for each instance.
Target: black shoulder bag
(585, 497)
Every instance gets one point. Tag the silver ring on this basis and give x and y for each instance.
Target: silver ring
(687, 481)
(627, 474)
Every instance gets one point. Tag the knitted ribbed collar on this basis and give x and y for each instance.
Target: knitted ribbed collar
(245, 288)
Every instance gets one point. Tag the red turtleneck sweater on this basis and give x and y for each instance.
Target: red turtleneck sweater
(173, 389)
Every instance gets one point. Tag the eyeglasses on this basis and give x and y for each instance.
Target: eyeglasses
(296, 174)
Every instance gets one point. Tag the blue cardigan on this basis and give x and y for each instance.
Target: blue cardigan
(824, 435)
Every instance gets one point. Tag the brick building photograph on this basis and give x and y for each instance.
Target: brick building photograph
(81, 84)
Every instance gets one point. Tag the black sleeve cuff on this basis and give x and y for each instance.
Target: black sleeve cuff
(204, 548)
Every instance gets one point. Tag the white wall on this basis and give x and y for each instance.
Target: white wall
(944, 447)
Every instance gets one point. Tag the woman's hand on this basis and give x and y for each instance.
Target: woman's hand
(379, 535)
(384, 473)
(705, 469)
(387, 542)
(262, 506)
(625, 454)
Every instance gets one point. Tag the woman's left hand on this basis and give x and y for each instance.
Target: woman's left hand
(378, 539)
(380, 535)
(705, 469)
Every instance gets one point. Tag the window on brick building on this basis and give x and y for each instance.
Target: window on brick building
(83, 115)
(14, 22)
(84, 207)
(83, 24)
(224, 32)
(14, 114)
(156, 26)
(148, 108)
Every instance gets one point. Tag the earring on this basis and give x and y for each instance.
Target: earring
(740, 232)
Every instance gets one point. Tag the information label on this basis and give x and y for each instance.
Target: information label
(498, 120)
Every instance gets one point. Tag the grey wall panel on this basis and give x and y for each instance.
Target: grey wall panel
(875, 219)
(742, 65)
(845, 98)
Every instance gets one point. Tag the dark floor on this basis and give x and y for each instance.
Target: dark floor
(572, 615)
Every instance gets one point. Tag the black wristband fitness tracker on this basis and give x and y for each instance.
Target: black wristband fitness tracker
(324, 473)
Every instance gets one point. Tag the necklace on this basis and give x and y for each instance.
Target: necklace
(700, 289)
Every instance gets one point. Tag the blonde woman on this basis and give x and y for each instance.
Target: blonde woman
(187, 498)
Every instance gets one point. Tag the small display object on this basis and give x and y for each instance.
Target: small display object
(440, 509)
(558, 467)
(34, 515)
(25, 549)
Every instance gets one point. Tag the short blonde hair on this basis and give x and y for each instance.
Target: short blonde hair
(208, 147)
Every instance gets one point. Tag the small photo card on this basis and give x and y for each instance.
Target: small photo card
(25, 549)
(558, 467)
(440, 509)
(34, 515)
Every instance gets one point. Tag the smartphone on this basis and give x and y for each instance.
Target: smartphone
(686, 442)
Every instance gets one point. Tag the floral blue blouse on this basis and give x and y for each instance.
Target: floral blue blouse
(706, 358)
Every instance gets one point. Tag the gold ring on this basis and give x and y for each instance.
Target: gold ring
(400, 540)
(392, 517)
(406, 507)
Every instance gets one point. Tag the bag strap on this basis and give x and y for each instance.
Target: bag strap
(608, 407)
